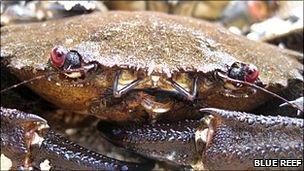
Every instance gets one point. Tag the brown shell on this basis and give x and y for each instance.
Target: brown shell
(149, 41)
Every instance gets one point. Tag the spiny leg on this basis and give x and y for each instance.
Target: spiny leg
(171, 142)
(28, 141)
(222, 140)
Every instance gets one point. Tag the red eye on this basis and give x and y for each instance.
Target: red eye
(57, 57)
(251, 74)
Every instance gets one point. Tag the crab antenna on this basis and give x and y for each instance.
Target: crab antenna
(26, 81)
(259, 88)
(190, 96)
(118, 93)
(40, 77)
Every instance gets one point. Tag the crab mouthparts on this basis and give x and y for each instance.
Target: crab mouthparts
(76, 73)
(126, 81)
(152, 105)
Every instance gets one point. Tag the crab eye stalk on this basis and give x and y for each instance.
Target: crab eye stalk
(243, 72)
(58, 57)
(72, 60)
(251, 73)
(236, 71)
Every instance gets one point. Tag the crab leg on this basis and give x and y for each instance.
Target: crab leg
(222, 140)
(172, 142)
(190, 96)
(27, 140)
(118, 93)
(71, 156)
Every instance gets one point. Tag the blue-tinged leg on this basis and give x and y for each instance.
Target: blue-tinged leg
(221, 140)
(27, 140)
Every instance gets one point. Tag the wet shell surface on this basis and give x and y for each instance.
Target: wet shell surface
(153, 42)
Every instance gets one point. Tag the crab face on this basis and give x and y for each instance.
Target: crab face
(146, 88)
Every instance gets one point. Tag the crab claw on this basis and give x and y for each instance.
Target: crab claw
(240, 137)
(220, 141)
(27, 140)
(19, 131)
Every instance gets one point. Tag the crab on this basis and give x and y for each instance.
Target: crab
(144, 67)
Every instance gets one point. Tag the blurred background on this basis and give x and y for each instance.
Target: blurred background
(276, 22)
